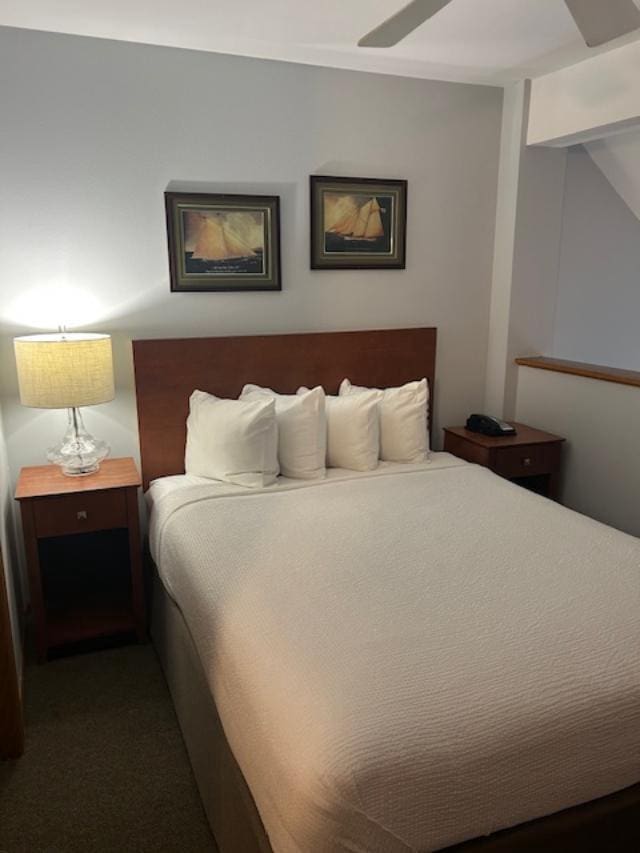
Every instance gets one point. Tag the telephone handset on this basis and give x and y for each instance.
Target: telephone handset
(486, 425)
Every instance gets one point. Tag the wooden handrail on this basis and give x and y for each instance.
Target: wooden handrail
(580, 368)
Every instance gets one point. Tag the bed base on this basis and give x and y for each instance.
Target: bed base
(608, 825)
(225, 796)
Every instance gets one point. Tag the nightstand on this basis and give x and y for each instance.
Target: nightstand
(82, 543)
(531, 458)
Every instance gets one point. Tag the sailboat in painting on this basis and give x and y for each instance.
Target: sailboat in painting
(216, 241)
(356, 223)
(221, 242)
(362, 223)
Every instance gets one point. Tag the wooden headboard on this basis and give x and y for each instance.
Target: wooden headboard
(167, 371)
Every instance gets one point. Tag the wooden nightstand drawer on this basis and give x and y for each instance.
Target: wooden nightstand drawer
(80, 513)
(526, 461)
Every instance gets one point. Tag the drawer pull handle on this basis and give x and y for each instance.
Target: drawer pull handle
(82, 515)
(526, 461)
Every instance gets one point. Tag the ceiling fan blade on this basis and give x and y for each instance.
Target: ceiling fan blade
(599, 21)
(395, 28)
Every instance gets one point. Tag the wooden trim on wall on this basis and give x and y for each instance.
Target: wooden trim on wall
(11, 717)
(580, 368)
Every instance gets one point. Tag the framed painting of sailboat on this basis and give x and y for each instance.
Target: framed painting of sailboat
(358, 223)
(223, 242)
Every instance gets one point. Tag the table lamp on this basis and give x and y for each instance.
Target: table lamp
(66, 371)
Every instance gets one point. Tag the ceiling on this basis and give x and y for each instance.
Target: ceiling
(478, 41)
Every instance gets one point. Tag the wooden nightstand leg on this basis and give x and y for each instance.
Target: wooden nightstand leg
(135, 561)
(35, 579)
(553, 489)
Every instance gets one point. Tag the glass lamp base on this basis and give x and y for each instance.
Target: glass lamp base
(79, 453)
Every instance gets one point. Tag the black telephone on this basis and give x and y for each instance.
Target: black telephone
(486, 425)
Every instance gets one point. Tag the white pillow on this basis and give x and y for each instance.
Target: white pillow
(232, 440)
(353, 432)
(302, 430)
(404, 436)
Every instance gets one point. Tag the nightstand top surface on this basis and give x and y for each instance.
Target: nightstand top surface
(524, 435)
(41, 480)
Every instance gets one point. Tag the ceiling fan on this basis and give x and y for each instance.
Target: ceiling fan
(599, 21)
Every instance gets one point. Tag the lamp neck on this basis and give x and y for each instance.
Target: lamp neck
(76, 424)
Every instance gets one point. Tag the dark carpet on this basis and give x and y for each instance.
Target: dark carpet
(105, 768)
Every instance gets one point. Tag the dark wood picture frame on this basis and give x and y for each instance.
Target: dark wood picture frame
(358, 223)
(223, 242)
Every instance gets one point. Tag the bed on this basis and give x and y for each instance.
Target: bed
(423, 657)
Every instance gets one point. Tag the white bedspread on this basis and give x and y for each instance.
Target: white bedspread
(411, 658)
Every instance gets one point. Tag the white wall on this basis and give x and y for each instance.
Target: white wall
(618, 158)
(593, 316)
(511, 147)
(527, 249)
(537, 245)
(601, 464)
(569, 283)
(588, 100)
(598, 305)
(94, 131)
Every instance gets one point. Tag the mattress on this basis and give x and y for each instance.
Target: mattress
(405, 659)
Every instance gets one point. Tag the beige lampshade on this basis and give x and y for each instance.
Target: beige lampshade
(65, 370)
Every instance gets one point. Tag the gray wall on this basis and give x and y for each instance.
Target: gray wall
(94, 131)
(598, 303)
